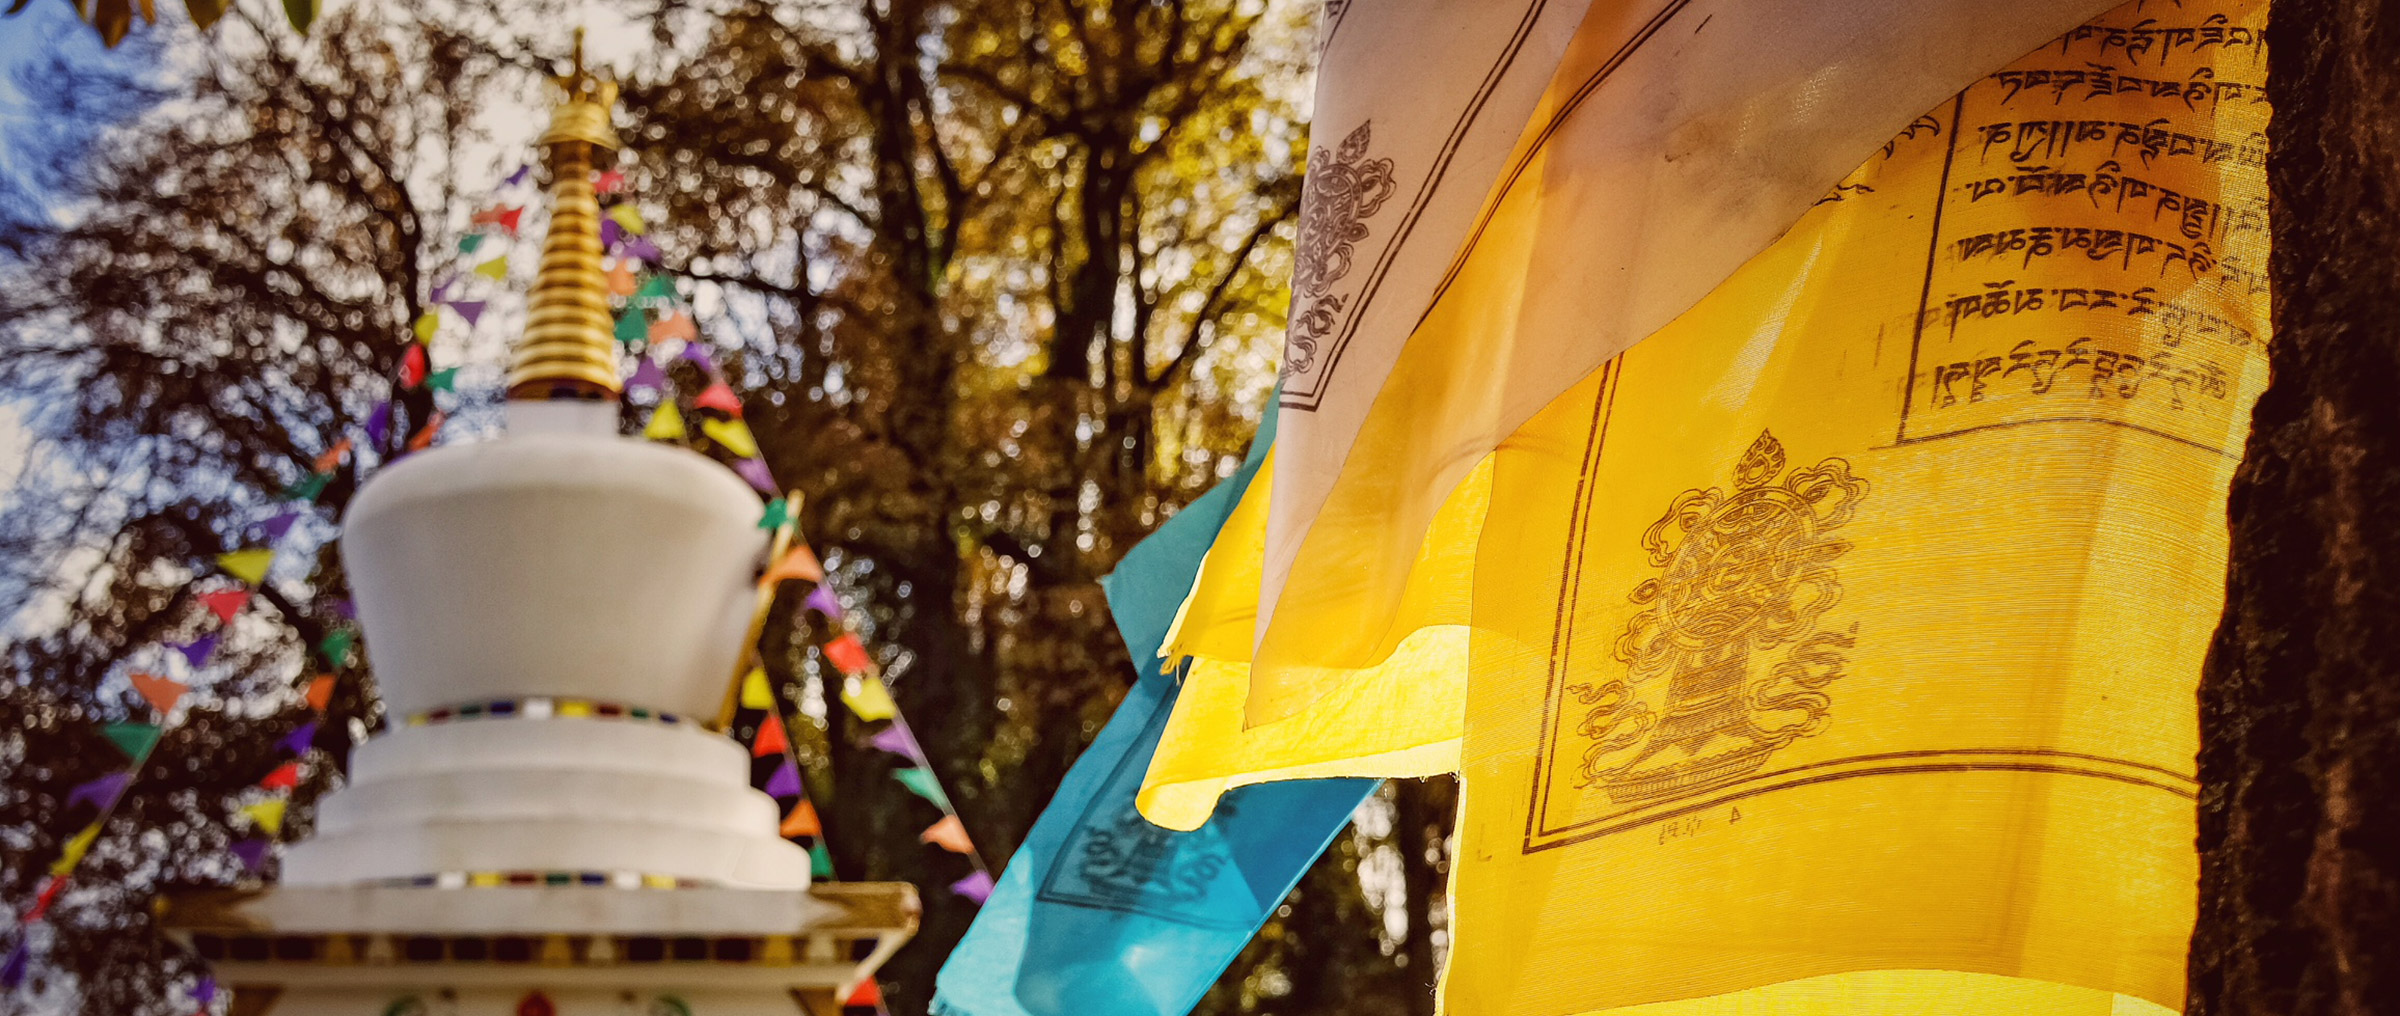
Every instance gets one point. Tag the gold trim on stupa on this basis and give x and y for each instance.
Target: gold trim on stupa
(569, 349)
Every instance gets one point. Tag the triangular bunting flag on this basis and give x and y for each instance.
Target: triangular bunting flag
(868, 699)
(162, 693)
(770, 739)
(732, 435)
(433, 429)
(820, 862)
(719, 396)
(755, 693)
(920, 782)
(320, 692)
(505, 218)
(274, 529)
(647, 374)
(412, 367)
(755, 471)
(867, 993)
(896, 739)
(298, 741)
(441, 290)
(205, 991)
(848, 655)
(823, 601)
(628, 217)
(225, 603)
(197, 651)
(517, 178)
(472, 310)
(620, 279)
(247, 565)
(12, 969)
(655, 289)
(285, 777)
(427, 324)
(785, 782)
(379, 423)
(641, 248)
(779, 511)
(632, 327)
(468, 243)
(949, 834)
(495, 269)
(797, 563)
(72, 854)
(976, 887)
(609, 182)
(666, 424)
(610, 233)
(332, 458)
(251, 852)
(802, 821)
(267, 815)
(134, 739)
(335, 646)
(102, 791)
(307, 488)
(698, 356)
(443, 380)
(676, 325)
(51, 887)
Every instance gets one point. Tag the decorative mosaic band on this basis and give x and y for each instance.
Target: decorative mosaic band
(543, 708)
(502, 879)
(544, 950)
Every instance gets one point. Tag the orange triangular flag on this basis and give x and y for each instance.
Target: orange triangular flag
(720, 397)
(424, 438)
(799, 563)
(320, 692)
(162, 693)
(621, 281)
(285, 777)
(225, 603)
(332, 456)
(770, 739)
(947, 834)
(674, 326)
(803, 821)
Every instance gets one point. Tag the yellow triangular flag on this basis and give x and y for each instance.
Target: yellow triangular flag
(73, 854)
(495, 269)
(628, 217)
(755, 694)
(666, 424)
(427, 324)
(733, 436)
(868, 699)
(267, 815)
(247, 565)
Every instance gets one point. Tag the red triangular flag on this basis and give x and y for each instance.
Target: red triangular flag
(803, 821)
(320, 692)
(225, 603)
(847, 655)
(719, 396)
(285, 777)
(162, 693)
(505, 218)
(412, 367)
(770, 738)
(865, 994)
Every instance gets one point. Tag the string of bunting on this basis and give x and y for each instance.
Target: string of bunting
(654, 320)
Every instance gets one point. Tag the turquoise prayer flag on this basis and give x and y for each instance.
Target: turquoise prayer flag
(1101, 913)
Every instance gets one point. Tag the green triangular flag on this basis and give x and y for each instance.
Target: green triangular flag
(336, 646)
(307, 489)
(632, 326)
(134, 739)
(820, 863)
(443, 380)
(468, 243)
(301, 13)
(778, 513)
(655, 287)
(920, 782)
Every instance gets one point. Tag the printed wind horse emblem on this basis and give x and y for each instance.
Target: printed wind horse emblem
(1345, 189)
(1742, 575)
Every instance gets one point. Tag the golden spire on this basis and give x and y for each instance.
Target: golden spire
(569, 350)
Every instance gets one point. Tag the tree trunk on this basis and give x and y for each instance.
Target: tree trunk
(2300, 698)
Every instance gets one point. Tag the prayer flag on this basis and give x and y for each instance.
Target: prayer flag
(823, 601)
(949, 834)
(518, 177)
(802, 821)
(285, 777)
(770, 739)
(300, 739)
(697, 355)
(247, 565)
(797, 563)
(620, 279)
(379, 423)
(719, 396)
(431, 430)
(755, 471)
(332, 458)
(161, 692)
(732, 435)
(307, 488)
(896, 739)
(320, 692)
(72, 854)
(632, 327)
(848, 655)
(335, 646)
(495, 269)
(102, 792)
(676, 325)
(505, 218)
(820, 862)
(134, 739)
(51, 887)
(443, 380)
(427, 324)
(280, 524)
(197, 651)
(441, 290)
(755, 693)
(666, 423)
(778, 514)
(267, 815)
(205, 991)
(472, 310)
(609, 182)
(868, 699)
(412, 367)
(655, 289)
(647, 374)
(12, 969)
(628, 216)
(468, 243)
(641, 248)
(251, 852)
(978, 887)
(785, 782)
(225, 603)
(920, 781)
(610, 233)
(868, 993)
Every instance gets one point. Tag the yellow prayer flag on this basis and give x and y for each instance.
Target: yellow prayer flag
(666, 423)
(72, 854)
(267, 815)
(868, 699)
(495, 269)
(731, 435)
(755, 693)
(427, 324)
(247, 565)
(627, 216)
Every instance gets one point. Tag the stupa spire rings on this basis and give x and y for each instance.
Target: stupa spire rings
(569, 348)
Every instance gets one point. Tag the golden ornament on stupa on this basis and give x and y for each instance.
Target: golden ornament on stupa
(569, 349)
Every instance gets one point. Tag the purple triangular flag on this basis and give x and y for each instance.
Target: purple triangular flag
(610, 232)
(977, 887)
(896, 739)
(343, 608)
(640, 247)
(252, 853)
(12, 971)
(786, 781)
(648, 374)
(205, 991)
(698, 354)
(298, 740)
(102, 792)
(519, 176)
(379, 422)
(755, 471)
(276, 527)
(441, 290)
(472, 310)
(822, 600)
(196, 652)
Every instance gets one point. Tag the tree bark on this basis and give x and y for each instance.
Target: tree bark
(2300, 698)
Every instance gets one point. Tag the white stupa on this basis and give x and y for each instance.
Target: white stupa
(550, 825)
